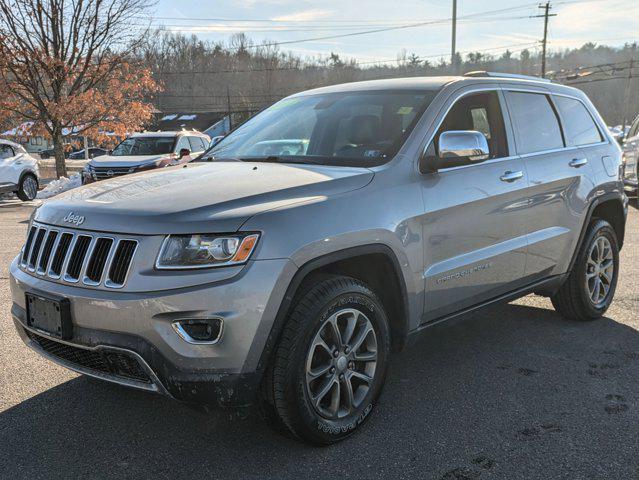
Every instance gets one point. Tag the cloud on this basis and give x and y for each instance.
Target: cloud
(303, 16)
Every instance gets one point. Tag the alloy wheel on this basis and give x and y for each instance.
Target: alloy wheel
(600, 270)
(341, 364)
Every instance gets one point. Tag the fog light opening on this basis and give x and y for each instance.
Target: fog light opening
(199, 331)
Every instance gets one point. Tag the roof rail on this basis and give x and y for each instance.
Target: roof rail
(482, 73)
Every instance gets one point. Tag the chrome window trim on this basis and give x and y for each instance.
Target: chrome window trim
(540, 90)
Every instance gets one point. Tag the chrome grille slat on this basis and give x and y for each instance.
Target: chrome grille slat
(47, 249)
(71, 256)
(35, 251)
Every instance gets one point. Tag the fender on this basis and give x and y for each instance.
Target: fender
(312, 265)
(615, 196)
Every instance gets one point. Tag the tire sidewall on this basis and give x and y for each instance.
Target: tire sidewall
(599, 228)
(322, 430)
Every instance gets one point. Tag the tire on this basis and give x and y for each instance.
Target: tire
(304, 351)
(574, 299)
(28, 187)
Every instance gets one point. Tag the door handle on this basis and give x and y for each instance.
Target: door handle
(511, 176)
(578, 162)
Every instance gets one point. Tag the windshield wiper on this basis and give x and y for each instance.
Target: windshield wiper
(285, 159)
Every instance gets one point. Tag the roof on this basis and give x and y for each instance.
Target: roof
(10, 143)
(431, 83)
(166, 134)
(186, 120)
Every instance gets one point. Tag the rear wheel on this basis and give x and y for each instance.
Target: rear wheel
(28, 187)
(590, 287)
(330, 364)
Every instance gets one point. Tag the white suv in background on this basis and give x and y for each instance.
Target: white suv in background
(146, 151)
(18, 171)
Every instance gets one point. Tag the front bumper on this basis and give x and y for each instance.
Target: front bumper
(139, 326)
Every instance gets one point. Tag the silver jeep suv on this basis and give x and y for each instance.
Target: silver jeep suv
(283, 268)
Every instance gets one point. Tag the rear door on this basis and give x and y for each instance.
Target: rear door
(474, 230)
(560, 177)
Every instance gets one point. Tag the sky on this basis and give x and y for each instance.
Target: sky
(491, 26)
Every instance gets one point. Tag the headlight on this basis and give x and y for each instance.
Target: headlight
(201, 251)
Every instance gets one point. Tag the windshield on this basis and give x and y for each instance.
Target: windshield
(345, 128)
(144, 146)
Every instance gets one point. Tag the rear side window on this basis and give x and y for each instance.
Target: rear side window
(579, 127)
(535, 122)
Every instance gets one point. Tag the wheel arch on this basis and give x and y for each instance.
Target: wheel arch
(610, 207)
(357, 262)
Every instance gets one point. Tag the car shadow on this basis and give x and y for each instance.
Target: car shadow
(514, 391)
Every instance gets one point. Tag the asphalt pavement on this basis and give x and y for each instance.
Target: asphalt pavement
(513, 392)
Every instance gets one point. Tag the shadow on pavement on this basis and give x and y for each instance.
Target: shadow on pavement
(514, 392)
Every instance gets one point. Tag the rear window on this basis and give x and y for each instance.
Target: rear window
(535, 122)
(579, 126)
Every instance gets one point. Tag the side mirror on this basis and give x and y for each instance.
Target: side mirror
(217, 139)
(184, 152)
(457, 148)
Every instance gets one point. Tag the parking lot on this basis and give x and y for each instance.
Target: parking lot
(513, 392)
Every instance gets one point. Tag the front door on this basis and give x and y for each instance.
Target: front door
(474, 228)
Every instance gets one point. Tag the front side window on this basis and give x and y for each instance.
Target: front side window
(361, 128)
(579, 127)
(144, 146)
(183, 142)
(535, 122)
(480, 112)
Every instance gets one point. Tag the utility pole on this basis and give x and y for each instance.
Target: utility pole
(546, 7)
(454, 38)
(627, 93)
(228, 106)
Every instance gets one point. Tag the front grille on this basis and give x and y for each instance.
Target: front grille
(102, 173)
(121, 261)
(73, 257)
(117, 364)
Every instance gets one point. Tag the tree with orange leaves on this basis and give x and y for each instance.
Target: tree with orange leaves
(69, 65)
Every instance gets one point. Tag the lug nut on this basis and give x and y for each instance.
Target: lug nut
(351, 365)
(336, 353)
(346, 350)
(332, 370)
(341, 376)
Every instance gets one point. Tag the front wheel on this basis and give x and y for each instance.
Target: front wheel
(590, 287)
(330, 364)
(28, 187)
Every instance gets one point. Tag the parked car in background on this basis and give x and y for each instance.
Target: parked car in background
(50, 152)
(93, 152)
(631, 154)
(146, 151)
(18, 171)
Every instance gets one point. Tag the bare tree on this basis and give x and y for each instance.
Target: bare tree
(66, 66)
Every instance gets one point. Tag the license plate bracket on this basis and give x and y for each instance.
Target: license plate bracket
(51, 316)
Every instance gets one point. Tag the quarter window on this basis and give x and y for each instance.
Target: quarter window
(579, 127)
(535, 122)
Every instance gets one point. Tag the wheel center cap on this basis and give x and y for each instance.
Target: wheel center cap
(342, 363)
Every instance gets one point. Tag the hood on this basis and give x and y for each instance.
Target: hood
(197, 197)
(125, 160)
